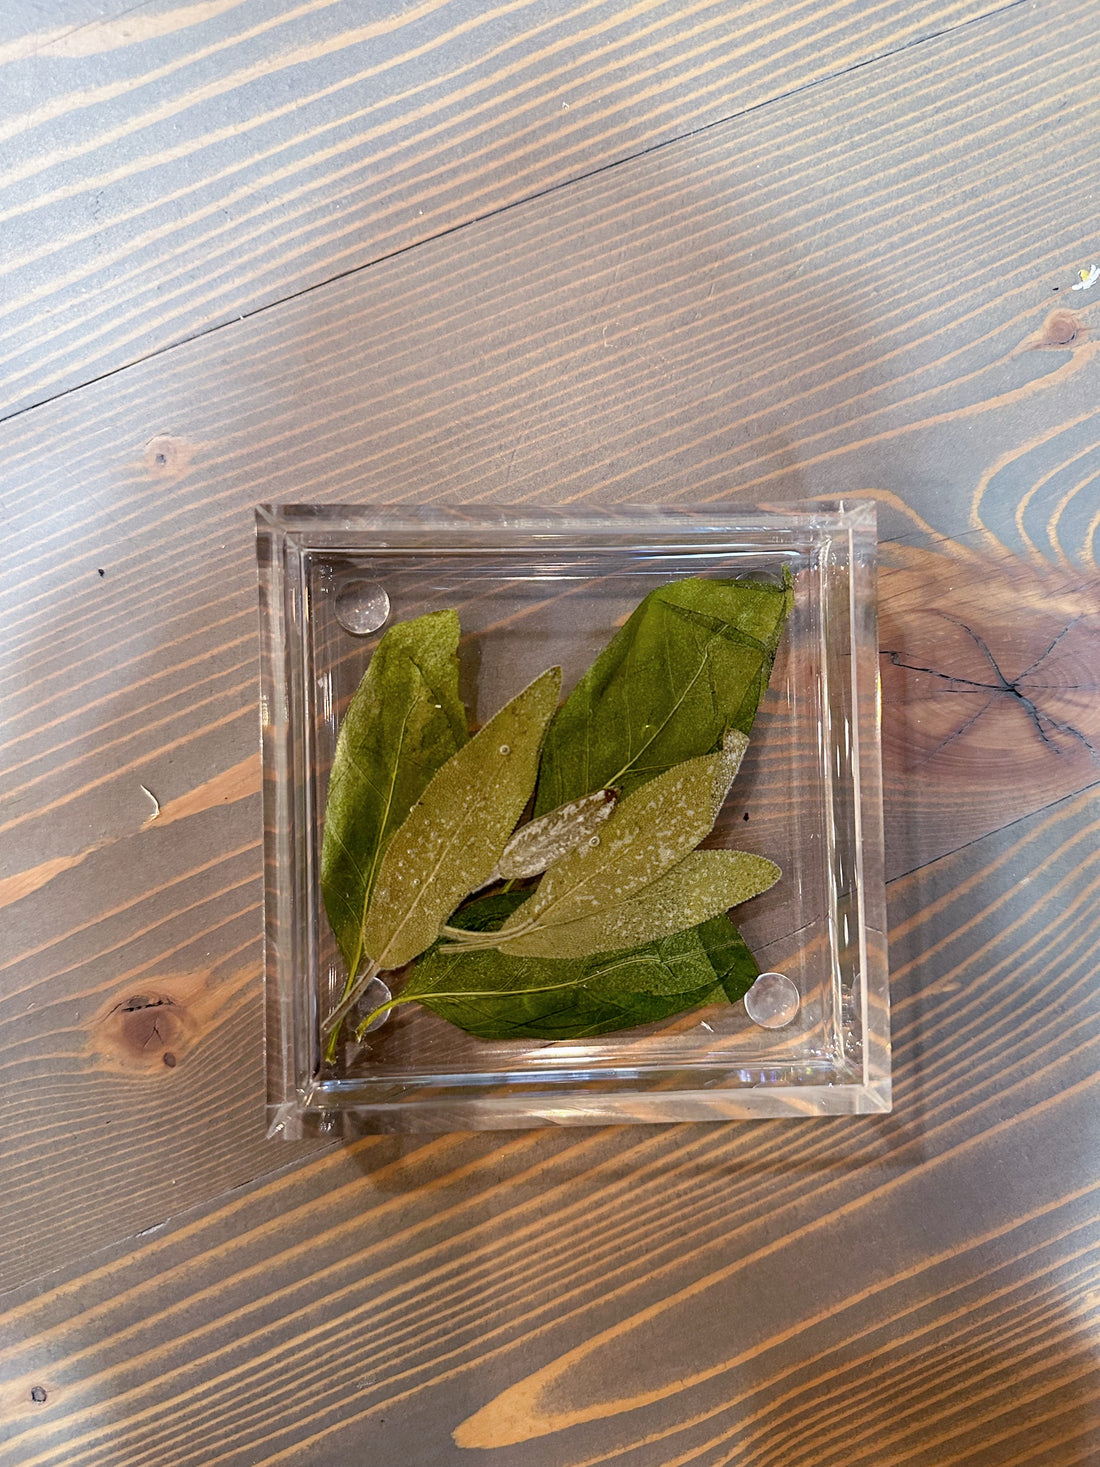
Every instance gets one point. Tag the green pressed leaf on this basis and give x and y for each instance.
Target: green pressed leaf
(497, 997)
(540, 1012)
(691, 662)
(650, 831)
(713, 950)
(404, 722)
(541, 842)
(729, 956)
(702, 885)
(676, 964)
(452, 838)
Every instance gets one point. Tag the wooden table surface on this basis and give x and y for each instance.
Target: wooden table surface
(578, 252)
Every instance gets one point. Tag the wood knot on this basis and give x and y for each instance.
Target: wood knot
(155, 1030)
(146, 1031)
(148, 1027)
(1060, 330)
(166, 457)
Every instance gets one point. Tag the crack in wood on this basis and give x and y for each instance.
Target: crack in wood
(1037, 716)
(1040, 660)
(970, 722)
(140, 1001)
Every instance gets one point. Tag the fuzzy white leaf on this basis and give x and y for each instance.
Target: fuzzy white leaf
(541, 842)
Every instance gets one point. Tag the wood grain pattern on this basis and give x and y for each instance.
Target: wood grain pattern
(633, 335)
(613, 341)
(854, 1291)
(863, 289)
(171, 168)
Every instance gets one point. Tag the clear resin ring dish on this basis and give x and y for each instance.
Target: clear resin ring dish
(533, 589)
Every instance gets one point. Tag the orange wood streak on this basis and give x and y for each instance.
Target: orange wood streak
(99, 36)
(236, 783)
(23, 883)
(133, 766)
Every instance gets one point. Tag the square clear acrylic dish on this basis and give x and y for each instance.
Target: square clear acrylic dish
(535, 588)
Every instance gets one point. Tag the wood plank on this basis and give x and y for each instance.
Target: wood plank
(167, 169)
(630, 337)
(28, 25)
(633, 335)
(913, 1288)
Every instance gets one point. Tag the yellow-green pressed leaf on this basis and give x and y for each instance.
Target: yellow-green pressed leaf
(453, 836)
(732, 752)
(650, 831)
(703, 885)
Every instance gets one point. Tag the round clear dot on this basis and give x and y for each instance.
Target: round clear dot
(505, 748)
(374, 996)
(772, 1001)
(593, 840)
(362, 607)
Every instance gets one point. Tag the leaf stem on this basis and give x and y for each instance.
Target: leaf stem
(390, 1004)
(353, 991)
(464, 941)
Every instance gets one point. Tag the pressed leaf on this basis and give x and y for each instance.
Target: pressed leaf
(732, 752)
(691, 662)
(541, 842)
(729, 955)
(673, 964)
(453, 837)
(650, 831)
(702, 885)
(404, 722)
(495, 996)
(545, 1012)
(676, 964)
